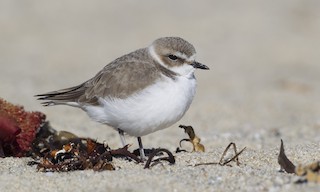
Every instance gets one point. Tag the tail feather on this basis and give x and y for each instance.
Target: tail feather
(71, 94)
(48, 103)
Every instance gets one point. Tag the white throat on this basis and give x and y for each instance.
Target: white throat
(185, 70)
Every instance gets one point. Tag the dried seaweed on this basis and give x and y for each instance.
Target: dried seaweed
(64, 151)
(224, 161)
(308, 173)
(284, 162)
(193, 138)
(73, 157)
(157, 152)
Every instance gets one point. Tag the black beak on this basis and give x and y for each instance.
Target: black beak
(199, 66)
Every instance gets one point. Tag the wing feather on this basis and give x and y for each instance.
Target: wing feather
(119, 79)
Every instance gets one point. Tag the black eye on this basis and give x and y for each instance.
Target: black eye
(173, 57)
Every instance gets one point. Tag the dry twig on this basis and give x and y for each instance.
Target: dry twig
(224, 161)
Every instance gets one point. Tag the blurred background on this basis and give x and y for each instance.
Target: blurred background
(263, 55)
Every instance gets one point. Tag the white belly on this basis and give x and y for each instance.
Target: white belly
(157, 107)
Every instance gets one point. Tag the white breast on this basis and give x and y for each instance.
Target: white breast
(156, 107)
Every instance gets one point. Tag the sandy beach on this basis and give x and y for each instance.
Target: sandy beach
(262, 86)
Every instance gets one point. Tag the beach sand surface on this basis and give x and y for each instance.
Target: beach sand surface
(263, 85)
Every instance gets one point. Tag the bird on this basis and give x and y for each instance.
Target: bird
(140, 92)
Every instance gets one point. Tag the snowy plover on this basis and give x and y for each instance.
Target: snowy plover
(139, 93)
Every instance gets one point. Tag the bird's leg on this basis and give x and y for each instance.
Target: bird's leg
(123, 139)
(141, 150)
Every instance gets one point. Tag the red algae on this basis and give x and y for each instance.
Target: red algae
(18, 129)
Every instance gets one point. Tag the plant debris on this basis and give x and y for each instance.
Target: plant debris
(285, 164)
(225, 161)
(309, 173)
(74, 157)
(193, 138)
(17, 129)
(64, 151)
(157, 152)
